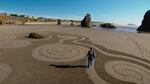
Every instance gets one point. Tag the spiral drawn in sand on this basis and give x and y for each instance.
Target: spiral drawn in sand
(59, 52)
(14, 43)
(5, 70)
(129, 72)
(7, 37)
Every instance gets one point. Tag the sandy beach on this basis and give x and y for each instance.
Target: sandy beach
(60, 58)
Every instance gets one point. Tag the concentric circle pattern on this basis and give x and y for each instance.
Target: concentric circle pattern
(59, 52)
(130, 72)
(5, 70)
(14, 43)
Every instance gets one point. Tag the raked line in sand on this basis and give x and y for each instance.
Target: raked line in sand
(128, 72)
(60, 52)
(8, 41)
(63, 52)
(135, 74)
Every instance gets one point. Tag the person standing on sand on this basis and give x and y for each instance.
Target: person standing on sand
(91, 56)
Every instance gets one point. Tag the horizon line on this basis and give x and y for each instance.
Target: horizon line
(71, 17)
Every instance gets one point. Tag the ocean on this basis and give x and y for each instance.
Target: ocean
(126, 28)
(120, 28)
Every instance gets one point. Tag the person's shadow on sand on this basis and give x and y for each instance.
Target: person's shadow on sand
(69, 66)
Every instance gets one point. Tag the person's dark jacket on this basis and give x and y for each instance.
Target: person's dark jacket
(91, 55)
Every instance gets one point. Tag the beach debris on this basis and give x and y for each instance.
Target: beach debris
(107, 25)
(86, 22)
(145, 26)
(59, 22)
(34, 35)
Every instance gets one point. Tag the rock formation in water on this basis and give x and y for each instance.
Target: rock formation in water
(145, 26)
(86, 22)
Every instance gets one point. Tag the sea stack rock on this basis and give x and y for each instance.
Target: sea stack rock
(145, 26)
(86, 21)
(72, 22)
(59, 22)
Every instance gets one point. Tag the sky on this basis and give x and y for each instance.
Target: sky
(114, 11)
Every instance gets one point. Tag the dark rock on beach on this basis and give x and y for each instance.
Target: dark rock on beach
(107, 25)
(86, 22)
(35, 36)
(145, 26)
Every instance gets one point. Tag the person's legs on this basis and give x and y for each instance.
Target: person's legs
(89, 62)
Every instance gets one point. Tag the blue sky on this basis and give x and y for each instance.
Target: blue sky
(116, 11)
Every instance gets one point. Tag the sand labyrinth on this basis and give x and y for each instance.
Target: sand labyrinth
(59, 52)
(71, 48)
(14, 44)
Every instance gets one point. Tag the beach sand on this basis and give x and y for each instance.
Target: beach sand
(60, 58)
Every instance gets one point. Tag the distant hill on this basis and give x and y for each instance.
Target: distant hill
(14, 19)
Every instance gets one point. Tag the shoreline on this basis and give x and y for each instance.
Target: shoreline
(67, 25)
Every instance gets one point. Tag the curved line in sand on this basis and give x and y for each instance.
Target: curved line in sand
(127, 71)
(91, 72)
(94, 76)
(111, 55)
(58, 52)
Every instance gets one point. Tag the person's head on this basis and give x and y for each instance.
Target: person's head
(91, 48)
